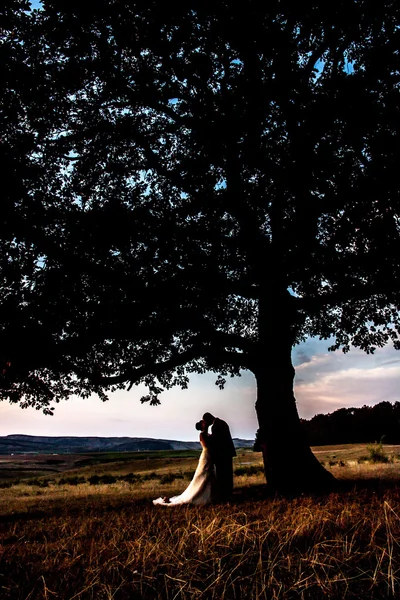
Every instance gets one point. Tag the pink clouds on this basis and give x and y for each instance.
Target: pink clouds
(328, 381)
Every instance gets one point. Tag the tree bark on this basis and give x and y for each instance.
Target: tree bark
(289, 464)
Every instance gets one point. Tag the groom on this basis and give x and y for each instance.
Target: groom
(223, 450)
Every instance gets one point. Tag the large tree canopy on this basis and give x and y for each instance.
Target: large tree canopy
(197, 187)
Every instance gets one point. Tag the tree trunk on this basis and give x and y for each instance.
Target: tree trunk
(289, 464)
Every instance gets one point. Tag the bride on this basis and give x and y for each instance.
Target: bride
(201, 489)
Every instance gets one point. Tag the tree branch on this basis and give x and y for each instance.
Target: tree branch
(314, 58)
(317, 303)
(135, 375)
(215, 358)
(228, 340)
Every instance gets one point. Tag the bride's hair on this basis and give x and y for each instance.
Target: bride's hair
(199, 425)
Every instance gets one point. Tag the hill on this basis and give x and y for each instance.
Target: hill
(22, 444)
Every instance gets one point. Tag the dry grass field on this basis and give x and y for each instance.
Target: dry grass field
(61, 539)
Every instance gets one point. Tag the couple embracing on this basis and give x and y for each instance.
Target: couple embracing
(213, 478)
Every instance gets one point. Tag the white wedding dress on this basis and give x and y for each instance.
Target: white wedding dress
(202, 487)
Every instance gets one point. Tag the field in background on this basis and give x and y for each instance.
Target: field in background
(36, 468)
(61, 538)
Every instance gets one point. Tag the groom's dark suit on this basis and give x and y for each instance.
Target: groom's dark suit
(223, 450)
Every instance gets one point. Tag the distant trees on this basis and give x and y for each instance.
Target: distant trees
(352, 425)
(197, 186)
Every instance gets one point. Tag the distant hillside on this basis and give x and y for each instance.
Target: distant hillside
(18, 444)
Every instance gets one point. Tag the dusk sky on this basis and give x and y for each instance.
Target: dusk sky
(325, 381)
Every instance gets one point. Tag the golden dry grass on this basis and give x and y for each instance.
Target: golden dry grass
(110, 546)
(109, 541)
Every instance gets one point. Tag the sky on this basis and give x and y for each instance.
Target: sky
(324, 382)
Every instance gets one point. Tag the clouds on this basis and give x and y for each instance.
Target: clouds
(329, 381)
(301, 358)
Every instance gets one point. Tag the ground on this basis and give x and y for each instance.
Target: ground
(64, 537)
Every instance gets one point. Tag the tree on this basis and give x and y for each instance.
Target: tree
(368, 424)
(213, 184)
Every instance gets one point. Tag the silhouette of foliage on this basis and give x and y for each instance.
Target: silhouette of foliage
(196, 187)
(377, 453)
(355, 425)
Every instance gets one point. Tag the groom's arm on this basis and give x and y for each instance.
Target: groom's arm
(224, 436)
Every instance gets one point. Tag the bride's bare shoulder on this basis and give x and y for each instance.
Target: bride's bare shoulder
(204, 439)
